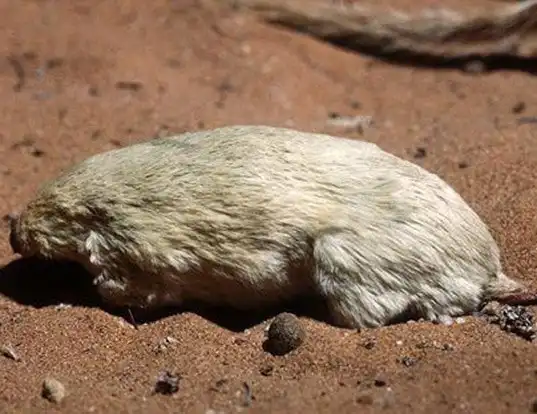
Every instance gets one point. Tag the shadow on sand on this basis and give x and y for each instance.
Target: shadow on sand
(39, 283)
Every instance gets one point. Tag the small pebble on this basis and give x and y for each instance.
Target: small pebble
(422, 345)
(9, 352)
(492, 309)
(380, 381)
(218, 385)
(408, 361)
(239, 341)
(266, 370)
(169, 340)
(166, 343)
(53, 390)
(285, 334)
(420, 153)
(369, 344)
(167, 383)
(519, 107)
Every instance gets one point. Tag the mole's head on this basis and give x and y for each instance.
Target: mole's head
(24, 238)
(39, 231)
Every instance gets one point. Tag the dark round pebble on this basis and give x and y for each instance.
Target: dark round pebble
(285, 334)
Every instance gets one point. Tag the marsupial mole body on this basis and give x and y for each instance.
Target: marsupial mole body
(247, 216)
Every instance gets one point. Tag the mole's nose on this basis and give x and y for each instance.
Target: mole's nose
(13, 236)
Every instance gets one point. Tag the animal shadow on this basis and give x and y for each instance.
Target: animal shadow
(41, 283)
(491, 63)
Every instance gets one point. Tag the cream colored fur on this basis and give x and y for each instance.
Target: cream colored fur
(246, 216)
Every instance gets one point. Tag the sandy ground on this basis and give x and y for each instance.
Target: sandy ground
(80, 77)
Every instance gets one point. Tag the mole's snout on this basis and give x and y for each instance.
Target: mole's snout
(13, 233)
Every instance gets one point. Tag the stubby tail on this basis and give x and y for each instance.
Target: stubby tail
(508, 30)
(508, 291)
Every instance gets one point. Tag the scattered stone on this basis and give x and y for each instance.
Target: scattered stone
(448, 347)
(266, 370)
(285, 334)
(53, 390)
(421, 152)
(166, 343)
(239, 341)
(370, 344)
(36, 152)
(170, 340)
(218, 385)
(62, 306)
(408, 361)
(513, 319)
(519, 107)
(380, 381)
(167, 383)
(9, 352)
(333, 115)
(492, 308)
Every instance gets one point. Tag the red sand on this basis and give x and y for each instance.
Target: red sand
(195, 65)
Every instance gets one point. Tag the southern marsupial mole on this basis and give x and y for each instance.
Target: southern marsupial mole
(248, 216)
